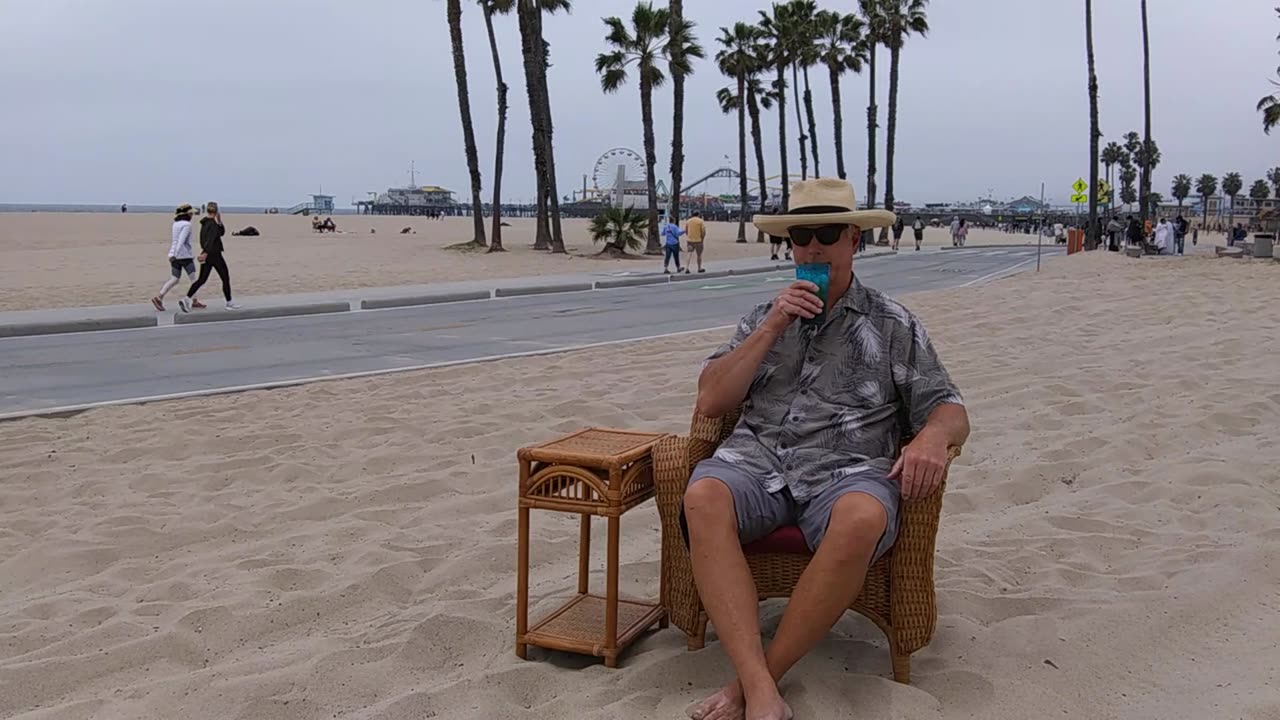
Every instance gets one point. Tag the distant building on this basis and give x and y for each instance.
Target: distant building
(425, 200)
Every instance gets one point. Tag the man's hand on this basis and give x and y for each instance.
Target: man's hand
(921, 466)
(798, 300)
(203, 257)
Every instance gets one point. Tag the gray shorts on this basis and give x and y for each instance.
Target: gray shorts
(760, 512)
(695, 248)
(177, 266)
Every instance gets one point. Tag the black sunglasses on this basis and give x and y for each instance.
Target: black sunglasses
(826, 234)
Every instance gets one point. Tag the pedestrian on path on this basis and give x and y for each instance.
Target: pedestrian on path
(211, 258)
(962, 232)
(671, 233)
(955, 231)
(897, 232)
(917, 228)
(696, 232)
(180, 259)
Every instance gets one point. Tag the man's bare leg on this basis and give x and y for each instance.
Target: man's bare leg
(729, 595)
(831, 582)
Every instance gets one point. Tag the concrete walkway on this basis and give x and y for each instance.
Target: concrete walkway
(143, 315)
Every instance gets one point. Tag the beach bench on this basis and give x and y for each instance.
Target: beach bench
(898, 594)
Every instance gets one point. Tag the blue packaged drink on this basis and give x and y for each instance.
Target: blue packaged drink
(819, 274)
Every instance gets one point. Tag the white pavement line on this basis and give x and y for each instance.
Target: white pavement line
(275, 384)
(992, 276)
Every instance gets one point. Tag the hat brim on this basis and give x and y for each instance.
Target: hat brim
(780, 225)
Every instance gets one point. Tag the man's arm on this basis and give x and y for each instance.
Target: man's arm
(726, 380)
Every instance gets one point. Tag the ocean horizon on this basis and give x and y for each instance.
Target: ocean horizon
(143, 209)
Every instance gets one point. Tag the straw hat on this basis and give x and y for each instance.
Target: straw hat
(824, 201)
(183, 209)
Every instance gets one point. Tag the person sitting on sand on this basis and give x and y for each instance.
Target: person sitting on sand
(826, 406)
(328, 225)
(315, 224)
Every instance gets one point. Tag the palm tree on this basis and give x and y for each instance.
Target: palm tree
(1095, 134)
(736, 59)
(454, 12)
(1269, 106)
(1112, 154)
(683, 46)
(645, 46)
(1128, 174)
(792, 22)
(1273, 177)
(621, 229)
(804, 37)
(1144, 185)
(536, 54)
(840, 48)
(759, 96)
(871, 14)
(1206, 186)
(1181, 188)
(773, 52)
(901, 18)
(491, 8)
(1232, 184)
(1153, 201)
(1259, 191)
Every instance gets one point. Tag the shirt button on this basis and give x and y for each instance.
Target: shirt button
(791, 467)
(804, 392)
(782, 446)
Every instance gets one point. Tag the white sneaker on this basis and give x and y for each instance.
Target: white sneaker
(232, 306)
(184, 304)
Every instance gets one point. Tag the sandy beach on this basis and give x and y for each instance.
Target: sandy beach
(76, 259)
(1110, 543)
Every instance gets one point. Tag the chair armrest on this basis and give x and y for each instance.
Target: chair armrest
(913, 603)
(673, 461)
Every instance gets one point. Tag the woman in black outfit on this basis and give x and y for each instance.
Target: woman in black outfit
(211, 258)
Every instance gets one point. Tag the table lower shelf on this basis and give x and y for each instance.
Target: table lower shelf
(578, 626)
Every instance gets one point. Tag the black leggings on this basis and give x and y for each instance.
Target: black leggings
(213, 262)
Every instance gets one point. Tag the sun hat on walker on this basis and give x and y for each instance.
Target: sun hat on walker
(823, 201)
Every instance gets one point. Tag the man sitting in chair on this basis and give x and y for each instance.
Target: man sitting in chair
(826, 402)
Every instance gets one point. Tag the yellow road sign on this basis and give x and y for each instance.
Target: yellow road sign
(1079, 185)
(1079, 198)
(1104, 189)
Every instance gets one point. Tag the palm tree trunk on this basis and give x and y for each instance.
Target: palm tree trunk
(531, 49)
(782, 135)
(742, 156)
(804, 154)
(1144, 183)
(891, 135)
(677, 129)
(839, 122)
(495, 239)
(1091, 236)
(753, 105)
(548, 141)
(650, 160)
(464, 108)
(813, 126)
(872, 113)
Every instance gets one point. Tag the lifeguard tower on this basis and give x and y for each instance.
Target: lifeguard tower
(319, 205)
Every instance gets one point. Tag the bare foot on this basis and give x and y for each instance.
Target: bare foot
(725, 704)
(776, 709)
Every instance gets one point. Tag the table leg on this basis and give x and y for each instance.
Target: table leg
(611, 596)
(522, 583)
(584, 555)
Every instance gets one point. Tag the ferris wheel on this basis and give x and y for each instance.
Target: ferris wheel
(605, 174)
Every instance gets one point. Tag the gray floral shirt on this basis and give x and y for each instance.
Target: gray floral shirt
(833, 401)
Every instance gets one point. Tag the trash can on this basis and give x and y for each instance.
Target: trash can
(1264, 245)
(1075, 241)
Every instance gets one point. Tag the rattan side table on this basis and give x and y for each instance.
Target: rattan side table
(591, 472)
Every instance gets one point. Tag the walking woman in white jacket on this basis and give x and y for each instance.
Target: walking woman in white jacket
(181, 259)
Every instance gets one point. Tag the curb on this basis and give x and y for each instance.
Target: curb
(542, 289)
(631, 282)
(324, 308)
(61, 327)
(944, 248)
(414, 300)
(701, 276)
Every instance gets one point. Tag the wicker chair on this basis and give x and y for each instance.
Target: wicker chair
(897, 596)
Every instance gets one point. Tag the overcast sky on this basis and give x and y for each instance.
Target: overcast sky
(260, 102)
